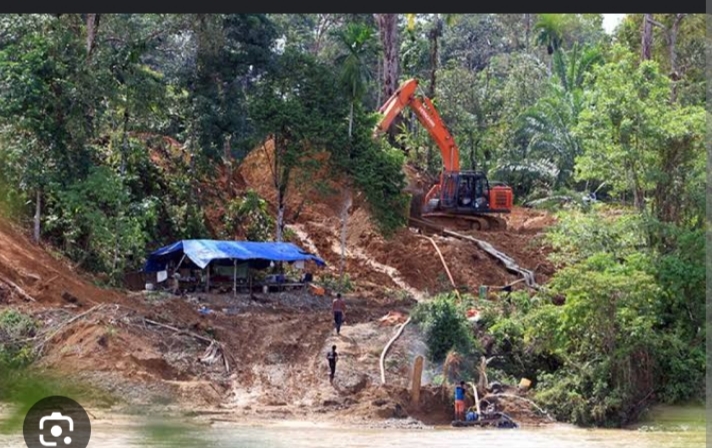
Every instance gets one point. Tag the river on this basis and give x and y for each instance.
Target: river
(668, 428)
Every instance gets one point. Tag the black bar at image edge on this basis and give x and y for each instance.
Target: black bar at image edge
(366, 7)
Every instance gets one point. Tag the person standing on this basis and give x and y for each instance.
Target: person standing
(460, 402)
(338, 308)
(332, 356)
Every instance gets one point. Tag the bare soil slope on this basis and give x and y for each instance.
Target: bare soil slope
(151, 349)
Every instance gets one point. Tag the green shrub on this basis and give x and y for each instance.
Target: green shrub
(15, 329)
(445, 326)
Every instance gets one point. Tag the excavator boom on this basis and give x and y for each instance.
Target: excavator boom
(427, 115)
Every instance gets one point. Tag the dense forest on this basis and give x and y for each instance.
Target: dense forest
(548, 103)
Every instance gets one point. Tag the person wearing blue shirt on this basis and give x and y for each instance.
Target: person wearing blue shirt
(460, 401)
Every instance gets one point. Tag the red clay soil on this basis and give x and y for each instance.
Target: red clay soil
(50, 281)
(264, 336)
(410, 254)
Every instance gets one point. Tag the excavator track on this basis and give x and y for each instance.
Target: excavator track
(482, 222)
(486, 223)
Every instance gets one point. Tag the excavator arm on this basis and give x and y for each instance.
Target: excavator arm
(428, 116)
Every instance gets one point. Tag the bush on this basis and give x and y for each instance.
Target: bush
(14, 327)
(445, 326)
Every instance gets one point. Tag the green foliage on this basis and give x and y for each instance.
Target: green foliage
(98, 223)
(377, 171)
(628, 330)
(333, 283)
(251, 215)
(549, 123)
(635, 139)
(445, 326)
(15, 329)
(579, 235)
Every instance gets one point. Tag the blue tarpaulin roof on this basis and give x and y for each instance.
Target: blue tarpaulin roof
(202, 252)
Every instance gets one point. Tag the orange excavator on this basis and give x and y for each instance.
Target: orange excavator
(461, 198)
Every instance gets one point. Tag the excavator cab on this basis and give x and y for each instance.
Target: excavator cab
(469, 192)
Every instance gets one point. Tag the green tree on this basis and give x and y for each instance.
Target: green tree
(549, 124)
(357, 45)
(445, 326)
(634, 138)
(300, 107)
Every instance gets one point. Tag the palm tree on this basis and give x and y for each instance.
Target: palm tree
(357, 45)
(549, 29)
(549, 123)
(439, 21)
(549, 32)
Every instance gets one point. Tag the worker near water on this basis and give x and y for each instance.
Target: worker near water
(338, 308)
(332, 356)
(460, 402)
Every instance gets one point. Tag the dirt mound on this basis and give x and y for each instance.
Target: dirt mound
(527, 220)
(28, 271)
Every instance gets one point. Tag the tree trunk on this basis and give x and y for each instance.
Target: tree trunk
(125, 136)
(434, 36)
(647, 37)
(351, 118)
(92, 29)
(344, 220)
(672, 42)
(388, 29)
(280, 216)
(38, 215)
(527, 29)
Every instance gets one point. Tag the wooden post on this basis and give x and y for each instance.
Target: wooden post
(234, 278)
(207, 284)
(417, 375)
(477, 398)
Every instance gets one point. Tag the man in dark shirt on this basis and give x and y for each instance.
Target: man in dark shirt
(332, 356)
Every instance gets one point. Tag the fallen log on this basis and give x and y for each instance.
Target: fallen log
(18, 289)
(543, 411)
(178, 330)
(447, 270)
(214, 351)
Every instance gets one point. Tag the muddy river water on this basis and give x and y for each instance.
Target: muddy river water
(667, 428)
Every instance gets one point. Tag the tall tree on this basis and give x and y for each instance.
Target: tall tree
(638, 141)
(390, 41)
(357, 46)
(300, 107)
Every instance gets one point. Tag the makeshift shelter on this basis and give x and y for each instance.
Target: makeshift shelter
(238, 254)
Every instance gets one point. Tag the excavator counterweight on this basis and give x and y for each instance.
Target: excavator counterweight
(464, 199)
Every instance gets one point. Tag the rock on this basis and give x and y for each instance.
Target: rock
(395, 411)
(353, 383)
